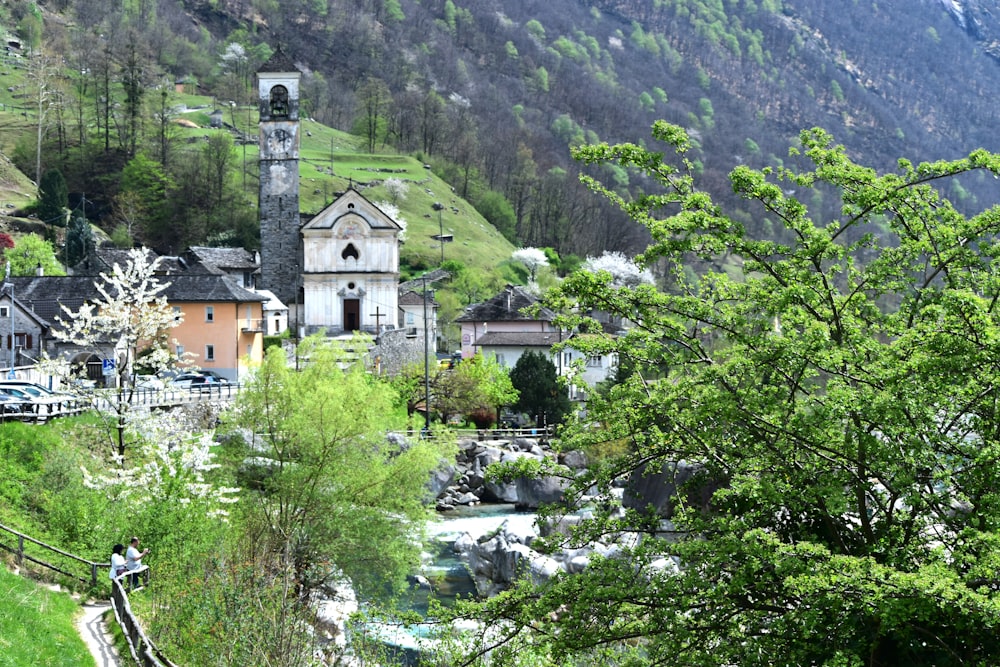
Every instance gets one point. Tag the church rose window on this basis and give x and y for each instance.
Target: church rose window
(279, 101)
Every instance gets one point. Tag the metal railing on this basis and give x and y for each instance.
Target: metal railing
(143, 650)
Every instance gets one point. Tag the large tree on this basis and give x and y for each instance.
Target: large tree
(335, 496)
(540, 395)
(831, 396)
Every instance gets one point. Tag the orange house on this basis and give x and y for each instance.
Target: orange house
(222, 325)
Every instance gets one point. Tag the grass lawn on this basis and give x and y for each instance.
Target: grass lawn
(36, 625)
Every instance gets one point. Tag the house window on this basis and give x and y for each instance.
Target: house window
(180, 351)
(409, 319)
(501, 361)
(177, 314)
(567, 358)
(594, 361)
(209, 313)
(4, 311)
(209, 353)
(21, 340)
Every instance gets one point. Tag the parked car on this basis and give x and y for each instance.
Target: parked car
(149, 383)
(195, 382)
(11, 406)
(221, 379)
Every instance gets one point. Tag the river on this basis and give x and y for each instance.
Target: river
(447, 574)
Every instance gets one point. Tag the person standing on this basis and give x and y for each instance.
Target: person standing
(117, 562)
(133, 561)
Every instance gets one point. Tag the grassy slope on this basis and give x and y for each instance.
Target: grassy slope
(477, 243)
(331, 161)
(36, 625)
(16, 188)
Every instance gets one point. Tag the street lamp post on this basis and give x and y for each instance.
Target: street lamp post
(427, 368)
(10, 290)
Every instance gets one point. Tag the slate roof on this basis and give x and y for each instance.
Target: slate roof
(415, 298)
(221, 260)
(45, 295)
(104, 257)
(506, 307)
(209, 288)
(278, 62)
(417, 284)
(519, 339)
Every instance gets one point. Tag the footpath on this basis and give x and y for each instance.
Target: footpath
(94, 631)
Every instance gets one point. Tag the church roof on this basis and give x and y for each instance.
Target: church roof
(505, 307)
(352, 203)
(278, 62)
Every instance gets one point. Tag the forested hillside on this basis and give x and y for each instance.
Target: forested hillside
(493, 93)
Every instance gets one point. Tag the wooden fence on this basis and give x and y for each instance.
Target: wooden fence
(143, 650)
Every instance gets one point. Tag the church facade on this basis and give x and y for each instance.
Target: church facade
(338, 272)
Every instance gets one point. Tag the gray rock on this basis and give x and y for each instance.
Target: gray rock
(574, 459)
(441, 478)
(656, 485)
(532, 493)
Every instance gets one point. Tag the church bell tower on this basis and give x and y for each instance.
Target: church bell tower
(278, 198)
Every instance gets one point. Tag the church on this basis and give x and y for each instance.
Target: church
(337, 271)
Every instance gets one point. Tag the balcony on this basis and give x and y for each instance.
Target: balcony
(252, 326)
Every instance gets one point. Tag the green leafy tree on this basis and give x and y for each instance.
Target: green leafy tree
(335, 497)
(31, 252)
(540, 395)
(493, 385)
(836, 405)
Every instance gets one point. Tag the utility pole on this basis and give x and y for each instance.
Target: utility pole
(438, 206)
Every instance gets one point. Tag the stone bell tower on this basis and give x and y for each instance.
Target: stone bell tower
(278, 199)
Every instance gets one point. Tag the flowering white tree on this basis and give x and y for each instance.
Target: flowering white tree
(392, 211)
(532, 258)
(174, 456)
(397, 188)
(131, 312)
(624, 272)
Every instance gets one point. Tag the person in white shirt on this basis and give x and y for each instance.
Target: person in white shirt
(117, 562)
(133, 560)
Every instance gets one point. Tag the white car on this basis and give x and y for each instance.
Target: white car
(149, 383)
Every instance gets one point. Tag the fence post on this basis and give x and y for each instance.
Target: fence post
(93, 574)
(20, 549)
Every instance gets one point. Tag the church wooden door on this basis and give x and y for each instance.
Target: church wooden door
(352, 314)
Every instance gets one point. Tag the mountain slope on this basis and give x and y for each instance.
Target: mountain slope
(503, 88)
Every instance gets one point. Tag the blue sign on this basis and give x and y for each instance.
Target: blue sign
(108, 366)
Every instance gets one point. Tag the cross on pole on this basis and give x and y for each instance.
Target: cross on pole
(378, 317)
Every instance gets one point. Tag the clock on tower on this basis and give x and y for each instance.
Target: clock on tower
(278, 196)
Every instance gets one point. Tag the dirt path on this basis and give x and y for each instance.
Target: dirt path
(92, 628)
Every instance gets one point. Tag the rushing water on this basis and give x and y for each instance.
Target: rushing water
(446, 572)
